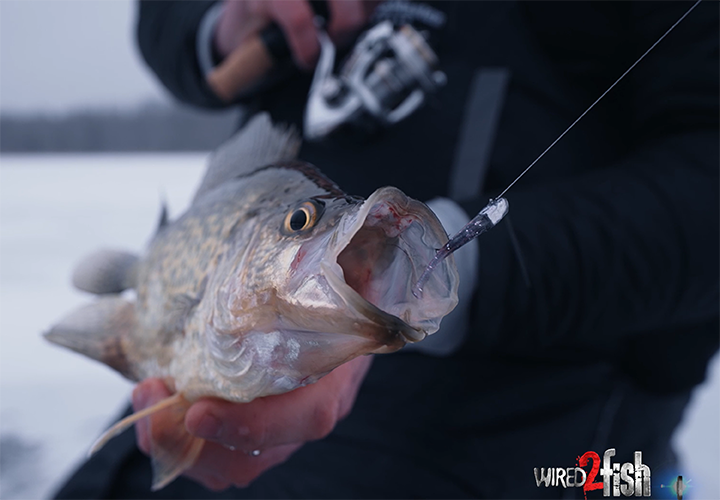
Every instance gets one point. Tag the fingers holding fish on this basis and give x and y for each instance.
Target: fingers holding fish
(275, 425)
(218, 467)
(305, 414)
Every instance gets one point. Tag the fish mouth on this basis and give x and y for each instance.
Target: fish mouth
(379, 253)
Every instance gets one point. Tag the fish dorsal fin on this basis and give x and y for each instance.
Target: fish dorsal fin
(99, 330)
(106, 271)
(164, 216)
(256, 145)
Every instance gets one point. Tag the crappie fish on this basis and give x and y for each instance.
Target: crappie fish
(271, 279)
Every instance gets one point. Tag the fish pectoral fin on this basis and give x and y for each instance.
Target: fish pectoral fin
(106, 271)
(176, 452)
(173, 450)
(131, 419)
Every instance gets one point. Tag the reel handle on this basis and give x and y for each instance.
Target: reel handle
(241, 69)
(254, 58)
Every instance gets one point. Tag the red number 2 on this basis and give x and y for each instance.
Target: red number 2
(582, 462)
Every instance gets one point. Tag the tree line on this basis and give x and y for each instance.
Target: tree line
(155, 127)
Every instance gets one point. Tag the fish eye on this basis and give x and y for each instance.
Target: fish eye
(302, 217)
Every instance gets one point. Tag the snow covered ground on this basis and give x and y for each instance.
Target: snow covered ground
(54, 403)
(53, 210)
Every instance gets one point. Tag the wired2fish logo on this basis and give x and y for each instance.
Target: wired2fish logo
(628, 479)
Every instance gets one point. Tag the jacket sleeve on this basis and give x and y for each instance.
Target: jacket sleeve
(166, 34)
(631, 248)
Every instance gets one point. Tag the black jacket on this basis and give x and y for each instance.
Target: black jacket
(618, 223)
(618, 227)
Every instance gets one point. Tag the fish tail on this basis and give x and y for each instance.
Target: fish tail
(100, 330)
(172, 448)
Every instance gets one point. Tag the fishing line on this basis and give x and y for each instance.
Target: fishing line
(497, 207)
(600, 98)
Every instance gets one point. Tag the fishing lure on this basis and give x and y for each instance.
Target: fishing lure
(498, 207)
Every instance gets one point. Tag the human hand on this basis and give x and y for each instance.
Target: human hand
(240, 19)
(277, 426)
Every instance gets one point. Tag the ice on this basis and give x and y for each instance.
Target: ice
(697, 440)
(54, 403)
(54, 209)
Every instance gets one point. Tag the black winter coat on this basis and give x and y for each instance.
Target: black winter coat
(618, 227)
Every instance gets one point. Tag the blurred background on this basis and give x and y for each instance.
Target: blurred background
(89, 145)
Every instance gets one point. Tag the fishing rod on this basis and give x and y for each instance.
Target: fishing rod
(498, 207)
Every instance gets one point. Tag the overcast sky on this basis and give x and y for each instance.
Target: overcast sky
(63, 55)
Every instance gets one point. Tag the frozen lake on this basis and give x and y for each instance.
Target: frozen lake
(54, 403)
(54, 209)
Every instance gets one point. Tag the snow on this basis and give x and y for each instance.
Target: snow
(697, 440)
(54, 209)
(54, 403)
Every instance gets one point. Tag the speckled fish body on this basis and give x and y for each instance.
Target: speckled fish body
(232, 306)
(233, 302)
(272, 278)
